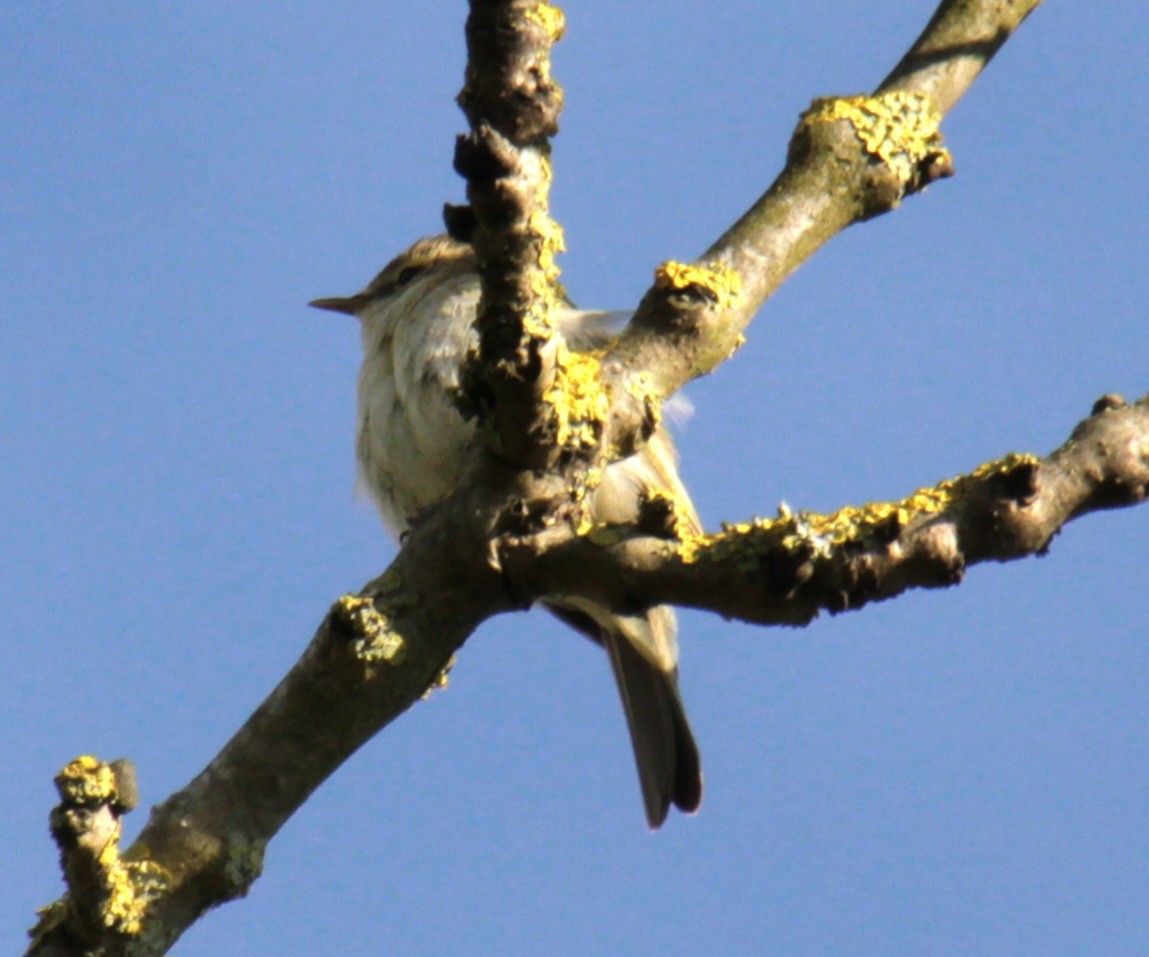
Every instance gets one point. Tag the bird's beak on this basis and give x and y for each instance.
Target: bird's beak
(347, 305)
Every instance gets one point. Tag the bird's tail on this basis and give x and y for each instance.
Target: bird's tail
(643, 655)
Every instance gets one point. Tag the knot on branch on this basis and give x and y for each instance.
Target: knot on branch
(512, 104)
(517, 243)
(242, 867)
(508, 81)
(459, 218)
(484, 155)
(1111, 401)
(1110, 448)
(367, 629)
(88, 782)
(508, 186)
(720, 286)
(692, 299)
(107, 893)
(899, 132)
(663, 515)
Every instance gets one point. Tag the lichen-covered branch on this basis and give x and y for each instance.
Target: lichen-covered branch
(109, 894)
(512, 104)
(374, 655)
(787, 569)
(850, 158)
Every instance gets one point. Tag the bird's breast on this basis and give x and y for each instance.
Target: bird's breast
(412, 442)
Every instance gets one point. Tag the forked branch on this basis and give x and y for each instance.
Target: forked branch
(510, 538)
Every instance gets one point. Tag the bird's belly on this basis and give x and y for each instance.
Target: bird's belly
(411, 453)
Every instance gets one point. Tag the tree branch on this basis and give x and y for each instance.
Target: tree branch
(512, 104)
(850, 159)
(785, 570)
(956, 45)
(373, 656)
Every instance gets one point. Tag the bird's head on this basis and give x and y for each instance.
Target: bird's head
(431, 260)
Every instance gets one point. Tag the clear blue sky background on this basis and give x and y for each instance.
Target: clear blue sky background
(954, 773)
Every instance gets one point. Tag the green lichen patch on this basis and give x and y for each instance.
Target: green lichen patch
(243, 866)
(50, 917)
(605, 535)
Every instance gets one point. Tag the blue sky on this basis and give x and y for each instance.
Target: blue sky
(961, 772)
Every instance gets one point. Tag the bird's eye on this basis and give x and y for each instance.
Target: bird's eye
(407, 274)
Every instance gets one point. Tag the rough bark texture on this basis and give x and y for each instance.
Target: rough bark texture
(512, 104)
(513, 534)
(786, 570)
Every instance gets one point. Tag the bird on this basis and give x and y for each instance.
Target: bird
(416, 320)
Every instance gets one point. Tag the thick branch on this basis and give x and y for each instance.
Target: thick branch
(786, 570)
(512, 104)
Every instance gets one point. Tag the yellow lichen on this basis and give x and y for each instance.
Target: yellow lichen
(128, 890)
(547, 292)
(822, 533)
(550, 18)
(118, 890)
(553, 242)
(900, 128)
(577, 396)
(374, 641)
(723, 285)
(86, 780)
(545, 280)
(553, 23)
(132, 887)
(742, 539)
